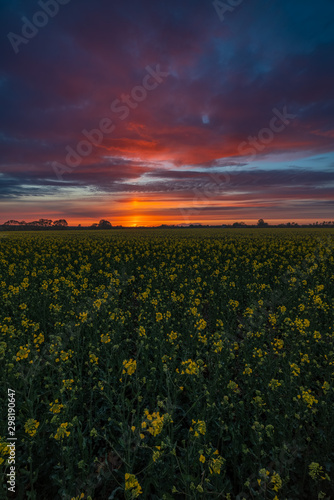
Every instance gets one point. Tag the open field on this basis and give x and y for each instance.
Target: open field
(169, 364)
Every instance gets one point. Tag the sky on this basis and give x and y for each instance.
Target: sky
(167, 112)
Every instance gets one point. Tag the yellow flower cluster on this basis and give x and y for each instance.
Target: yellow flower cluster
(172, 336)
(295, 369)
(3, 450)
(278, 344)
(308, 398)
(39, 339)
(129, 366)
(31, 426)
(276, 482)
(216, 463)
(234, 304)
(68, 383)
(198, 427)
(142, 331)
(274, 384)
(190, 367)
(64, 356)
(56, 406)
(83, 316)
(247, 370)
(62, 431)
(105, 338)
(79, 497)
(326, 387)
(200, 324)
(153, 423)
(233, 386)
(23, 353)
(132, 485)
(93, 359)
(157, 453)
(316, 471)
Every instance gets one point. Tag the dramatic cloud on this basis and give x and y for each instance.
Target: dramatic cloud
(155, 112)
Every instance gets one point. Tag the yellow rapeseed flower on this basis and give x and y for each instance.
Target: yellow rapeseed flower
(129, 366)
(31, 426)
(62, 431)
(132, 485)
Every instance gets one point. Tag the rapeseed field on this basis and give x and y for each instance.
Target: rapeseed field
(169, 364)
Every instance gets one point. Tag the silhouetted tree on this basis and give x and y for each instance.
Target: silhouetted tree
(12, 223)
(60, 223)
(104, 224)
(44, 222)
(261, 223)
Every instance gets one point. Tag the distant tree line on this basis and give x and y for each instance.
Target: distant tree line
(103, 224)
(15, 225)
(262, 224)
(48, 224)
(36, 224)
